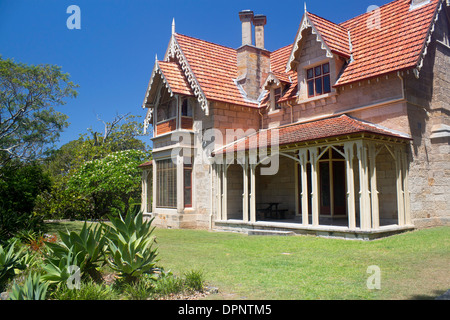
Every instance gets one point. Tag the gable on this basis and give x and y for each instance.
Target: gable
(334, 39)
(310, 49)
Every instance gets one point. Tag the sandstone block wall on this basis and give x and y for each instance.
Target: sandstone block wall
(429, 105)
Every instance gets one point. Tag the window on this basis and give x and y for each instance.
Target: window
(166, 184)
(318, 79)
(277, 96)
(188, 185)
(186, 108)
(167, 111)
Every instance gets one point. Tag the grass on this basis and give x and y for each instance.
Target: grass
(413, 265)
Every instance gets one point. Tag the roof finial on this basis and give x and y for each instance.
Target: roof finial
(305, 8)
(173, 26)
(156, 57)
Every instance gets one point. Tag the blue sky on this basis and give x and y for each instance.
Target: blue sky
(111, 57)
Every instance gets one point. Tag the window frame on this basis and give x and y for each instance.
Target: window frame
(168, 106)
(277, 94)
(316, 75)
(166, 184)
(188, 105)
(187, 167)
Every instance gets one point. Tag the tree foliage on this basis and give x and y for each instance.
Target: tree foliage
(29, 123)
(120, 134)
(20, 185)
(110, 182)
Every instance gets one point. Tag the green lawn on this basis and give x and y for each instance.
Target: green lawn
(413, 265)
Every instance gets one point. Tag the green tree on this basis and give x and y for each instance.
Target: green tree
(111, 182)
(20, 185)
(61, 202)
(29, 123)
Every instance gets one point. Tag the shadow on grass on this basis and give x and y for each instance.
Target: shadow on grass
(436, 294)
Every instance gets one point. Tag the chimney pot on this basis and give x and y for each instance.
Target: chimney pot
(246, 17)
(259, 21)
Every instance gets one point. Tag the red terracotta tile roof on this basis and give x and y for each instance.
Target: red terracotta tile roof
(396, 46)
(302, 132)
(175, 77)
(334, 35)
(215, 68)
(278, 60)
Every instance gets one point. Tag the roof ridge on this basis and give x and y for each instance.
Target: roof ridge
(337, 24)
(207, 41)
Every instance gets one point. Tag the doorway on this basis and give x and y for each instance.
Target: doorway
(332, 182)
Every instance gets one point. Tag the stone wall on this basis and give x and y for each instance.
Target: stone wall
(429, 106)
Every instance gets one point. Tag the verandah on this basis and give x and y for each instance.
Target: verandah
(361, 166)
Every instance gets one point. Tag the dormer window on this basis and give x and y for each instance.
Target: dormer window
(318, 80)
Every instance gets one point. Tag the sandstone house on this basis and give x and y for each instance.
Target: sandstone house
(343, 132)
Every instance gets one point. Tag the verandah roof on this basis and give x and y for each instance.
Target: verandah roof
(332, 127)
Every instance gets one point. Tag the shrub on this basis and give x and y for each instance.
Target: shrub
(88, 246)
(194, 280)
(130, 246)
(33, 289)
(57, 268)
(139, 290)
(89, 290)
(20, 185)
(10, 261)
(169, 284)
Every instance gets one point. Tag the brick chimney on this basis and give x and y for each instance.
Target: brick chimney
(253, 62)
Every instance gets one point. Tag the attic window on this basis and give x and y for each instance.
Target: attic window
(318, 79)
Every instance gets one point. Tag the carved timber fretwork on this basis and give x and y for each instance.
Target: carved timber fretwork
(427, 42)
(148, 119)
(174, 52)
(305, 24)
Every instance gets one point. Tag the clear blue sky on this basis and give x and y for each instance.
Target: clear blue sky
(111, 57)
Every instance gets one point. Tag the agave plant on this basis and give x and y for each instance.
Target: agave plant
(10, 261)
(88, 246)
(130, 244)
(33, 289)
(59, 267)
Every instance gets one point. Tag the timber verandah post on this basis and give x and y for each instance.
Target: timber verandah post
(314, 154)
(245, 195)
(224, 192)
(364, 194)
(349, 155)
(303, 156)
(373, 187)
(218, 171)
